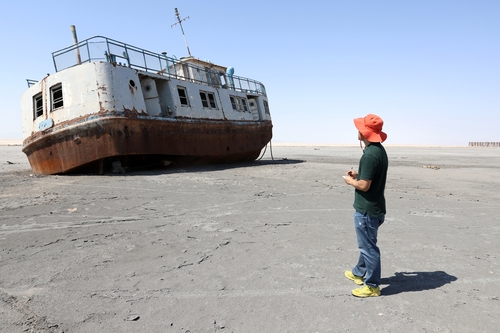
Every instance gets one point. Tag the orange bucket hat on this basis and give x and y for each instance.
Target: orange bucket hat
(371, 128)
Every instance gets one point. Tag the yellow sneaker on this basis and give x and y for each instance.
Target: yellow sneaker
(352, 277)
(366, 291)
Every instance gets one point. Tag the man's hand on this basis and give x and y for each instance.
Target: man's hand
(351, 179)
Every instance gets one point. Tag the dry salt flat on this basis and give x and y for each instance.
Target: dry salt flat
(254, 247)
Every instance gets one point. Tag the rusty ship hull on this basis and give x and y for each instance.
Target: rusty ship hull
(96, 112)
(112, 137)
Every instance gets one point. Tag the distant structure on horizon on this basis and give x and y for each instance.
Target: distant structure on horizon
(484, 144)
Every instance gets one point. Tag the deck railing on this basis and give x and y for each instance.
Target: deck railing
(101, 48)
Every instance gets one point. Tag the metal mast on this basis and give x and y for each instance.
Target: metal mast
(75, 41)
(179, 22)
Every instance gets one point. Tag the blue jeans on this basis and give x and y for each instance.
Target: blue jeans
(369, 257)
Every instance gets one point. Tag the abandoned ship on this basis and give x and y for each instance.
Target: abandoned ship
(110, 103)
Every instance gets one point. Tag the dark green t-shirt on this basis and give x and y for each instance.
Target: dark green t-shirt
(372, 166)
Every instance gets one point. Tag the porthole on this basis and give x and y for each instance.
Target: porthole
(132, 83)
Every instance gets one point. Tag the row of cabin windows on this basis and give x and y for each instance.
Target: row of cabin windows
(56, 100)
(208, 100)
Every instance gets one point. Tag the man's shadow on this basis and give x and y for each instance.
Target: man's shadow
(414, 281)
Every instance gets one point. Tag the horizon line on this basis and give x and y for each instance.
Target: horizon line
(14, 142)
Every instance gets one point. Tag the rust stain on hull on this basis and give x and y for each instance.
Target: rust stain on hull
(209, 141)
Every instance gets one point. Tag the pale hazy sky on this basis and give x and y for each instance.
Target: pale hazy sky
(429, 68)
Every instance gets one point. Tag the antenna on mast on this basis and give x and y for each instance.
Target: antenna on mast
(179, 22)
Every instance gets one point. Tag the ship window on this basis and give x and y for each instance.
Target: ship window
(57, 97)
(37, 106)
(204, 100)
(182, 95)
(222, 79)
(208, 100)
(211, 99)
(233, 103)
(266, 107)
(244, 104)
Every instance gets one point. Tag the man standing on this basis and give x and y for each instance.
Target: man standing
(369, 204)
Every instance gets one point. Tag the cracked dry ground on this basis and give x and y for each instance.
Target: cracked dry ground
(259, 247)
